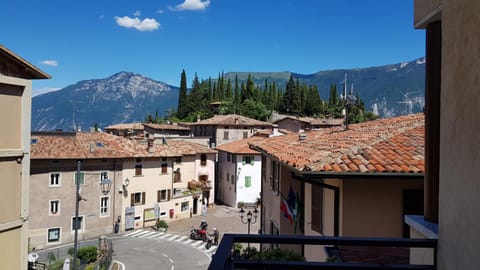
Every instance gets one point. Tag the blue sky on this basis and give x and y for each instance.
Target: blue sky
(85, 39)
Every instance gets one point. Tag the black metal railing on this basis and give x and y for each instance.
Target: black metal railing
(224, 258)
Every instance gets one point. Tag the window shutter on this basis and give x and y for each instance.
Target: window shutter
(248, 181)
(168, 195)
(132, 199)
(143, 198)
(158, 196)
(252, 160)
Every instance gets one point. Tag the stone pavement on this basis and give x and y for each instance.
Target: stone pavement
(226, 219)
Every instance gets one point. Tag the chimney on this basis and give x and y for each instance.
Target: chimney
(164, 140)
(275, 129)
(302, 136)
(198, 118)
(92, 148)
(150, 145)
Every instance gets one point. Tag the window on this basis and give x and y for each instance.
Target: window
(184, 206)
(55, 180)
(104, 206)
(228, 157)
(248, 160)
(53, 235)
(317, 211)
(137, 198)
(138, 167)
(78, 224)
(178, 160)
(228, 177)
(80, 177)
(164, 168)
(177, 177)
(233, 179)
(163, 195)
(54, 207)
(248, 181)
(225, 135)
(245, 134)
(103, 176)
(203, 160)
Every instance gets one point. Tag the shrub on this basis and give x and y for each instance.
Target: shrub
(279, 254)
(162, 224)
(56, 265)
(88, 254)
(51, 257)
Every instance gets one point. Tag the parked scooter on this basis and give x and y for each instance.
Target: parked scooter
(210, 239)
(198, 234)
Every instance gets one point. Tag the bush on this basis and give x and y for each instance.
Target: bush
(56, 265)
(88, 254)
(162, 224)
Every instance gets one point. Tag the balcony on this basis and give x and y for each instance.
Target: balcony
(224, 258)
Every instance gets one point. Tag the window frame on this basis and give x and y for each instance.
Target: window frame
(104, 209)
(177, 177)
(59, 235)
(203, 160)
(138, 167)
(141, 201)
(248, 181)
(164, 168)
(185, 206)
(164, 195)
(50, 204)
(58, 180)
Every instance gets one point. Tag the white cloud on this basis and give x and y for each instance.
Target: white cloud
(146, 24)
(39, 91)
(193, 5)
(52, 63)
(160, 11)
(137, 13)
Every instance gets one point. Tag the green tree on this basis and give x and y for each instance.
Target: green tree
(182, 96)
(291, 102)
(254, 109)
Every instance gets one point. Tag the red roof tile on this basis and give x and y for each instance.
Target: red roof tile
(241, 146)
(384, 145)
(230, 120)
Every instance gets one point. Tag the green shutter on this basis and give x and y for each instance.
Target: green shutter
(248, 181)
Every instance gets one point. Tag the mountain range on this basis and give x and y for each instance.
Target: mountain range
(388, 90)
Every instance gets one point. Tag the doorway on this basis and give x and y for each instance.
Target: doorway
(195, 206)
(412, 205)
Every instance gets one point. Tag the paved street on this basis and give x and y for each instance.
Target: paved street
(141, 249)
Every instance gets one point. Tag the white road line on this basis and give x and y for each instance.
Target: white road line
(158, 235)
(138, 234)
(134, 232)
(189, 241)
(181, 238)
(147, 234)
(197, 244)
(164, 236)
(173, 237)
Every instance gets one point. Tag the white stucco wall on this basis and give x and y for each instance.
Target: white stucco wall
(248, 194)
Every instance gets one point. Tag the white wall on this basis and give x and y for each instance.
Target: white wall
(248, 194)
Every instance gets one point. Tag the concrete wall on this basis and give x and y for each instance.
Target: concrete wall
(227, 169)
(374, 208)
(234, 134)
(459, 206)
(248, 194)
(15, 117)
(94, 222)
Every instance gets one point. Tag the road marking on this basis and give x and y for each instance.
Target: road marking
(189, 241)
(173, 237)
(134, 232)
(147, 234)
(197, 244)
(181, 238)
(164, 236)
(139, 234)
(157, 235)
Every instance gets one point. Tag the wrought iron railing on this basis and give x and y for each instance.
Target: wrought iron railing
(224, 257)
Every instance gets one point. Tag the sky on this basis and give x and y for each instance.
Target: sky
(86, 39)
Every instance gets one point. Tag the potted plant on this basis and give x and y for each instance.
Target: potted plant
(161, 225)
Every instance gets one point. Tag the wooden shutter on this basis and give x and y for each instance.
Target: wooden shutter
(143, 198)
(169, 194)
(158, 196)
(132, 199)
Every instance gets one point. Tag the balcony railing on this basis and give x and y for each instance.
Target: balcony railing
(224, 259)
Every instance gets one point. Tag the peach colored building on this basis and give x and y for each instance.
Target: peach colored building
(15, 117)
(355, 182)
(149, 181)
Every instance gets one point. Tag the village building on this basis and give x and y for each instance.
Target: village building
(222, 129)
(128, 130)
(296, 124)
(355, 182)
(149, 182)
(15, 117)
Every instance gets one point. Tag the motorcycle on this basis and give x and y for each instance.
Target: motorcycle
(209, 243)
(198, 234)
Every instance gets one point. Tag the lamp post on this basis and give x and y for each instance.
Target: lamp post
(251, 219)
(105, 186)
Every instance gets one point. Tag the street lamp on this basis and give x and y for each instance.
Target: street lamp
(105, 186)
(251, 219)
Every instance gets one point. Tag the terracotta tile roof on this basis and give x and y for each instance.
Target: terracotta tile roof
(230, 120)
(315, 121)
(166, 127)
(241, 146)
(384, 145)
(137, 126)
(55, 145)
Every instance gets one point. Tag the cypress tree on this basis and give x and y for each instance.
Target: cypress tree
(182, 97)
